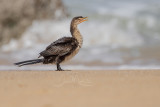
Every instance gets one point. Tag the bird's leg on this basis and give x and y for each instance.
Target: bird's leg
(59, 67)
(58, 61)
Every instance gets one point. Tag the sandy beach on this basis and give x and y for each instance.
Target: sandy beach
(111, 88)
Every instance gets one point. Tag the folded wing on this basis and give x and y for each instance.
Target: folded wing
(60, 47)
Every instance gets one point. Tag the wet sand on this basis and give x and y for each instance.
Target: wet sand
(111, 88)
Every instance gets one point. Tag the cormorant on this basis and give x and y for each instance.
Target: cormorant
(62, 49)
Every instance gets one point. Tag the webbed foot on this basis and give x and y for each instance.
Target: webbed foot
(59, 68)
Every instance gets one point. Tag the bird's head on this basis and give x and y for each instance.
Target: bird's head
(79, 19)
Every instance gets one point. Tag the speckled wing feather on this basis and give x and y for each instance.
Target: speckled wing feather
(60, 47)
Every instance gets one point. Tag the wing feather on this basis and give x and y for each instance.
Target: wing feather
(60, 47)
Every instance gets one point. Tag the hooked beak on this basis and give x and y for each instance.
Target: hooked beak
(84, 19)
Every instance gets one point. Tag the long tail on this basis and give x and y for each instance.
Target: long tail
(29, 62)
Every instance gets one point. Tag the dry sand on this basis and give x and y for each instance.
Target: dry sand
(119, 88)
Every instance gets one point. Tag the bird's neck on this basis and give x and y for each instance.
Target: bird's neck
(76, 34)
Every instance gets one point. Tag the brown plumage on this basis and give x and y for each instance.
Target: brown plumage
(63, 49)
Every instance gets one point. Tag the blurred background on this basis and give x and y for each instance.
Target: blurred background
(120, 34)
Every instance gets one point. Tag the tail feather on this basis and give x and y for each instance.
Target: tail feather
(29, 62)
(26, 61)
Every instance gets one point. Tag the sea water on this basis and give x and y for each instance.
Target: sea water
(120, 34)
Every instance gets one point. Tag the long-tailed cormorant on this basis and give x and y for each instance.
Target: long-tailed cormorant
(61, 50)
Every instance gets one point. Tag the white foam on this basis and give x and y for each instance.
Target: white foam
(108, 34)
